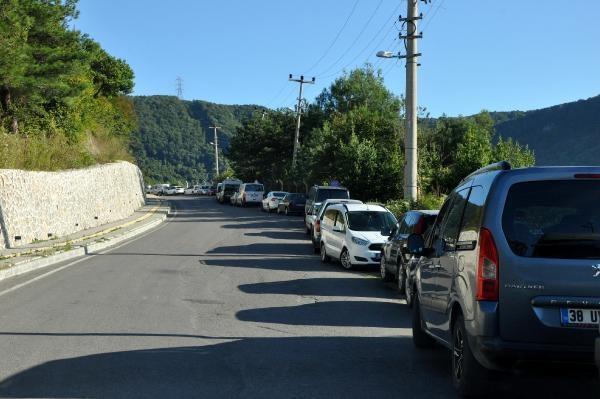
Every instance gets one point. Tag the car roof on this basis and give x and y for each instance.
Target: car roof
(341, 201)
(432, 212)
(331, 187)
(360, 207)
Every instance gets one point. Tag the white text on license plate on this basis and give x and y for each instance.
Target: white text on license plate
(580, 317)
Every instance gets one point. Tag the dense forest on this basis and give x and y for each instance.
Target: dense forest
(172, 141)
(566, 134)
(62, 97)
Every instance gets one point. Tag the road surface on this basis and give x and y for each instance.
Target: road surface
(224, 302)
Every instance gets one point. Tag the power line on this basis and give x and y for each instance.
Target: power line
(368, 46)
(434, 12)
(354, 41)
(337, 36)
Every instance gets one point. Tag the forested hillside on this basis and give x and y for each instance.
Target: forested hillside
(172, 142)
(566, 134)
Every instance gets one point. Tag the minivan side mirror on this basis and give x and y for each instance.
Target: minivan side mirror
(415, 244)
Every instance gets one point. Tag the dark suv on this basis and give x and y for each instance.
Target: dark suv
(318, 194)
(394, 256)
(511, 270)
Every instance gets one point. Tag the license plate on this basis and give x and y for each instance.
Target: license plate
(572, 317)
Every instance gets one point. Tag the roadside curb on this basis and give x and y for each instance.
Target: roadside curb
(28, 265)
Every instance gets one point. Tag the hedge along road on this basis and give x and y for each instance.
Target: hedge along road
(224, 302)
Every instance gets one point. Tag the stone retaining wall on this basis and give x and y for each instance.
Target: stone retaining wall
(43, 205)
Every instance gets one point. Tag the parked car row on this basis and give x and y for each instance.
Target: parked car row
(167, 189)
(506, 272)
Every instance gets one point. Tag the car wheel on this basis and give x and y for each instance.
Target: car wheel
(287, 211)
(468, 375)
(308, 231)
(324, 257)
(345, 259)
(401, 278)
(420, 338)
(278, 212)
(384, 273)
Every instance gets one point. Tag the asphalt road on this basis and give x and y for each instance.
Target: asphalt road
(223, 302)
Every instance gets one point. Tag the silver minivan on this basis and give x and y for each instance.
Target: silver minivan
(511, 271)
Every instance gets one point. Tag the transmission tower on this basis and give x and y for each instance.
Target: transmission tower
(179, 86)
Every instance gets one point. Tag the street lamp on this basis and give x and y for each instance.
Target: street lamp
(387, 54)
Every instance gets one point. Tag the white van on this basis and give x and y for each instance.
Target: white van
(250, 194)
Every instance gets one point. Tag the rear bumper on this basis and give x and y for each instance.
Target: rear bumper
(496, 353)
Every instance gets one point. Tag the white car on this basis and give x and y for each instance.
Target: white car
(203, 190)
(314, 220)
(272, 200)
(355, 233)
(191, 190)
(174, 190)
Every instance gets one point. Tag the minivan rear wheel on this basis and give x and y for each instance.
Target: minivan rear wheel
(420, 338)
(468, 375)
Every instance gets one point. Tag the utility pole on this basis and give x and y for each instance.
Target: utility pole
(179, 86)
(216, 144)
(410, 170)
(298, 113)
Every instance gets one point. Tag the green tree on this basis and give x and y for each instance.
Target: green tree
(517, 155)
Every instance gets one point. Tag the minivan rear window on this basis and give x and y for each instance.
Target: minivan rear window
(329, 193)
(553, 219)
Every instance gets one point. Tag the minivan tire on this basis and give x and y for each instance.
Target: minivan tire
(469, 377)
(383, 271)
(345, 259)
(401, 278)
(420, 338)
(324, 257)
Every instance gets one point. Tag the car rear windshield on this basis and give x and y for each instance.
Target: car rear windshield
(231, 187)
(554, 219)
(254, 187)
(279, 195)
(370, 220)
(330, 193)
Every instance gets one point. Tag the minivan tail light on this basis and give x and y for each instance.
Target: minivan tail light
(317, 226)
(487, 268)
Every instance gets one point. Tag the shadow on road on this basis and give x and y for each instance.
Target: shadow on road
(280, 234)
(338, 286)
(333, 313)
(246, 368)
(263, 248)
(299, 367)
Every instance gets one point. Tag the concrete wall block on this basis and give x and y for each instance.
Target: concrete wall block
(35, 204)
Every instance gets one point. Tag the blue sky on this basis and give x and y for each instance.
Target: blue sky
(495, 55)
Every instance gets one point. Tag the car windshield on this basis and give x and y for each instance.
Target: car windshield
(332, 193)
(370, 220)
(553, 219)
(254, 187)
